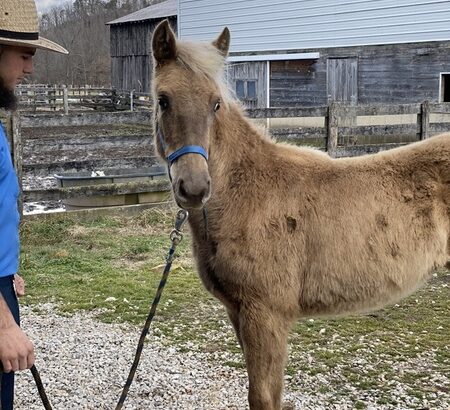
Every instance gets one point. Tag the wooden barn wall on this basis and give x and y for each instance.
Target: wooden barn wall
(408, 73)
(131, 59)
(401, 73)
(132, 73)
(297, 83)
(254, 72)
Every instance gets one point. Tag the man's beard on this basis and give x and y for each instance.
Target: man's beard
(8, 100)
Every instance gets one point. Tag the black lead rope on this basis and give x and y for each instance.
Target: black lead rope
(176, 238)
(40, 387)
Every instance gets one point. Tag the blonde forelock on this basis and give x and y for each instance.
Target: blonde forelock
(205, 58)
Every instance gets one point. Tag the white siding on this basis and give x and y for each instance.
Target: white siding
(266, 25)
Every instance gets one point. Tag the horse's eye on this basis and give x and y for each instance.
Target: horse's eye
(217, 106)
(163, 103)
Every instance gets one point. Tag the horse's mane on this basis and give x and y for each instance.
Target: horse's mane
(205, 58)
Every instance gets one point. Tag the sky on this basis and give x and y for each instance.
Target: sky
(45, 5)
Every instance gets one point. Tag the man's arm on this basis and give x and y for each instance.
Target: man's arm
(16, 350)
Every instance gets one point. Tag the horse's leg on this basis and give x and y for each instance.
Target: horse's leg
(264, 338)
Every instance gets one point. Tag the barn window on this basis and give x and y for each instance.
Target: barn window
(246, 90)
(445, 87)
(240, 89)
(251, 90)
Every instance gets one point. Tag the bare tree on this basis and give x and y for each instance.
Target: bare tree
(81, 28)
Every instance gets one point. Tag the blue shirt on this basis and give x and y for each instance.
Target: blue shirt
(9, 215)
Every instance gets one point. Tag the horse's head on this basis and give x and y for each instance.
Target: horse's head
(187, 97)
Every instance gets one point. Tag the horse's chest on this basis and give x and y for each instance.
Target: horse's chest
(217, 276)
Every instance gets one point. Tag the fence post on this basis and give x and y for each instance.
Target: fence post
(35, 98)
(424, 120)
(52, 95)
(17, 149)
(65, 99)
(332, 129)
(131, 100)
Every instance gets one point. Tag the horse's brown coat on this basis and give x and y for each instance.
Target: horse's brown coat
(291, 232)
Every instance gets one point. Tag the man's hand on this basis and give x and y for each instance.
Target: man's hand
(16, 350)
(19, 285)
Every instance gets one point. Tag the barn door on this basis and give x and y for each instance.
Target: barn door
(248, 81)
(342, 80)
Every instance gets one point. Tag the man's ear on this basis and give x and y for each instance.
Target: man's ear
(222, 43)
(164, 45)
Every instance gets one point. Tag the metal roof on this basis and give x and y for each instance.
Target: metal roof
(164, 9)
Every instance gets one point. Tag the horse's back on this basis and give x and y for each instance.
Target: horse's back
(421, 162)
(433, 151)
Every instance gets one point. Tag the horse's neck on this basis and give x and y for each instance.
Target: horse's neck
(237, 141)
(236, 145)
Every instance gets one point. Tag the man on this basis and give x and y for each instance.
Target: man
(19, 39)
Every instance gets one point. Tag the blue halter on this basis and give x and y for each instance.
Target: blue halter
(187, 149)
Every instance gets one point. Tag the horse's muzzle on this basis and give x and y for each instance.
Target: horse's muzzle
(192, 193)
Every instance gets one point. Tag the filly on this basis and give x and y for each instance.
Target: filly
(281, 232)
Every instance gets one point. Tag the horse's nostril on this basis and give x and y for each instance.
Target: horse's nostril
(181, 189)
(208, 188)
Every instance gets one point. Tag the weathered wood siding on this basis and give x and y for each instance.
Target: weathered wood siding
(402, 73)
(342, 80)
(131, 59)
(296, 83)
(396, 74)
(252, 72)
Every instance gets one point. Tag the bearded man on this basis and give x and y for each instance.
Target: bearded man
(19, 40)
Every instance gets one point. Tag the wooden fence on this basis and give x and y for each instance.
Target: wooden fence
(340, 135)
(42, 97)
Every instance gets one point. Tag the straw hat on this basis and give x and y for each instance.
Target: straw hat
(19, 26)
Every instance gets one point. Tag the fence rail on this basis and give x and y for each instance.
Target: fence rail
(341, 121)
(42, 97)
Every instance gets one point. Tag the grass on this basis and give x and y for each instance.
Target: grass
(112, 266)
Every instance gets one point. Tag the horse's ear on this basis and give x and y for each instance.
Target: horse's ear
(164, 43)
(222, 43)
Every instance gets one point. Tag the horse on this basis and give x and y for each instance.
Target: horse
(281, 232)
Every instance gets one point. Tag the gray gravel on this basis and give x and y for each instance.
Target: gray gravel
(84, 363)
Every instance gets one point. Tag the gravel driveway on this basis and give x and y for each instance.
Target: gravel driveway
(84, 363)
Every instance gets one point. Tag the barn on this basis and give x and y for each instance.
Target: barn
(312, 52)
(130, 40)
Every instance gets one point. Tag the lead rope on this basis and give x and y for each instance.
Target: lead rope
(40, 387)
(176, 237)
